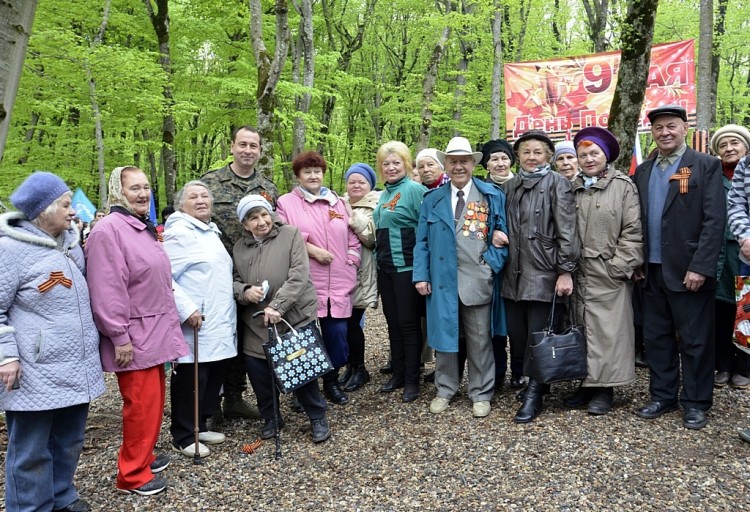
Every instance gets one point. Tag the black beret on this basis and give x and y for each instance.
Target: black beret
(496, 146)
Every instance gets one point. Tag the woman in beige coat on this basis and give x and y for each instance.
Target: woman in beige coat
(609, 228)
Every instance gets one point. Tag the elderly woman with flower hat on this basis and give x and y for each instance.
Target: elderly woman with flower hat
(609, 228)
(49, 348)
(130, 281)
(273, 281)
(731, 143)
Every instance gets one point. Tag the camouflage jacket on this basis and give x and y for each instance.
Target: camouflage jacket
(227, 189)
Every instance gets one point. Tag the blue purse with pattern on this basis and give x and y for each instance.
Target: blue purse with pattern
(297, 356)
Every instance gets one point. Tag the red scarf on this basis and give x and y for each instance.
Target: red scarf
(728, 170)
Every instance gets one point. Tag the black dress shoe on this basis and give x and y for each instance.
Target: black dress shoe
(78, 505)
(269, 429)
(320, 430)
(517, 381)
(392, 385)
(695, 419)
(347, 375)
(410, 394)
(387, 368)
(359, 377)
(333, 392)
(601, 402)
(653, 410)
(580, 398)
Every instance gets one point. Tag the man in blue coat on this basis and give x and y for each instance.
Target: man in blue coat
(458, 260)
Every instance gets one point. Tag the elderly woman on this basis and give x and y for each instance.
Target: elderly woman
(731, 143)
(542, 252)
(609, 227)
(202, 275)
(334, 251)
(566, 159)
(396, 217)
(273, 278)
(130, 282)
(360, 184)
(498, 158)
(49, 348)
(430, 170)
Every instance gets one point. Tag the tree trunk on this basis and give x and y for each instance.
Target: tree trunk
(96, 111)
(719, 31)
(269, 72)
(428, 85)
(704, 101)
(635, 60)
(306, 48)
(596, 12)
(160, 22)
(462, 67)
(28, 138)
(497, 70)
(16, 18)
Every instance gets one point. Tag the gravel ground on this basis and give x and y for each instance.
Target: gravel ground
(386, 455)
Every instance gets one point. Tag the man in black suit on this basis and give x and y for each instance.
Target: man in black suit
(683, 211)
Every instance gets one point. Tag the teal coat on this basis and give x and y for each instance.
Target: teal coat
(435, 261)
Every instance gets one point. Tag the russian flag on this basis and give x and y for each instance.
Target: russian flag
(637, 158)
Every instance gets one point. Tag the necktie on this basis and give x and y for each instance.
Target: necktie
(459, 205)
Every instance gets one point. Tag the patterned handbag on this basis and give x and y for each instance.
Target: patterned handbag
(297, 356)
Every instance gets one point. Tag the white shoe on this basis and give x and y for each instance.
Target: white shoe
(439, 404)
(481, 409)
(189, 451)
(210, 437)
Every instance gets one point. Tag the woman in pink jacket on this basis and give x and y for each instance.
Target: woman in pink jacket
(130, 283)
(334, 251)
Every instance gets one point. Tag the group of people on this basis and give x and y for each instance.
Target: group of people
(478, 262)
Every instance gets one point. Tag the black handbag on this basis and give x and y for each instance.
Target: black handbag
(557, 357)
(297, 356)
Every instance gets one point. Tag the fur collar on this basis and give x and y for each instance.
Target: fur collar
(14, 225)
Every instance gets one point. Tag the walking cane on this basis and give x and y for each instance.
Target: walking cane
(196, 410)
(276, 412)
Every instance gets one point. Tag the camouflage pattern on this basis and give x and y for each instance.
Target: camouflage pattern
(227, 189)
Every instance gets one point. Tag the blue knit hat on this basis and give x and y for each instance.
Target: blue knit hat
(365, 170)
(37, 192)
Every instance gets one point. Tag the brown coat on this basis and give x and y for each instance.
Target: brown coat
(281, 259)
(609, 228)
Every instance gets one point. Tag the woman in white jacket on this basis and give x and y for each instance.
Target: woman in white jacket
(202, 282)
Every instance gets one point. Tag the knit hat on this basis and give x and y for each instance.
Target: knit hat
(249, 202)
(363, 169)
(534, 135)
(730, 130)
(496, 146)
(602, 138)
(429, 152)
(37, 192)
(564, 147)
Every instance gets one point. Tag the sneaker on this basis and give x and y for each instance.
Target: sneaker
(439, 404)
(155, 486)
(189, 450)
(210, 437)
(161, 463)
(269, 429)
(481, 408)
(320, 430)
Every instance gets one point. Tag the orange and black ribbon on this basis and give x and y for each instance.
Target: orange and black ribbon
(683, 176)
(391, 205)
(55, 278)
(334, 215)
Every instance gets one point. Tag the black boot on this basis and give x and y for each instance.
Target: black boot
(359, 377)
(532, 402)
(333, 392)
(601, 402)
(347, 375)
(581, 397)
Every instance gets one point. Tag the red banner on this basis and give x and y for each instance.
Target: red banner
(561, 96)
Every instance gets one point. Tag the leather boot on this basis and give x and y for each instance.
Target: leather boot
(320, 430)
(601, 402)
(580, 398)
(333, 392)
(359, 377)
(532, 402)
(347, 375)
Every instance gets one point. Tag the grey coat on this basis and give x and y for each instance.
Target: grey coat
(51, 331)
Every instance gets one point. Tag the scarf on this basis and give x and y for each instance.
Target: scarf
(540, 171)
(728, 170)
(499, 180)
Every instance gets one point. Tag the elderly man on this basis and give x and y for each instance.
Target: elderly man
(228, 185)
(458, 270)
(683, 213)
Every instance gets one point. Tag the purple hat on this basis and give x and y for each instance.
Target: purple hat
(37, 192)
(602, 138)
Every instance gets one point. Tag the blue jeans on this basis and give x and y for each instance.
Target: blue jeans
(43, 452)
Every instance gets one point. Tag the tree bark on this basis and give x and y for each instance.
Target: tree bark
(636, 39)
(704, 101)
(462, 67)
(306, 48)
(497, 70)
(428, 85)
(96, 111)
(269, 72)
(719, 31)
(16, 18)
(596, 12)
(160, 21)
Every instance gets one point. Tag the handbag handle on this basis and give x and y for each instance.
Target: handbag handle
(276, 332)
(571, 313)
